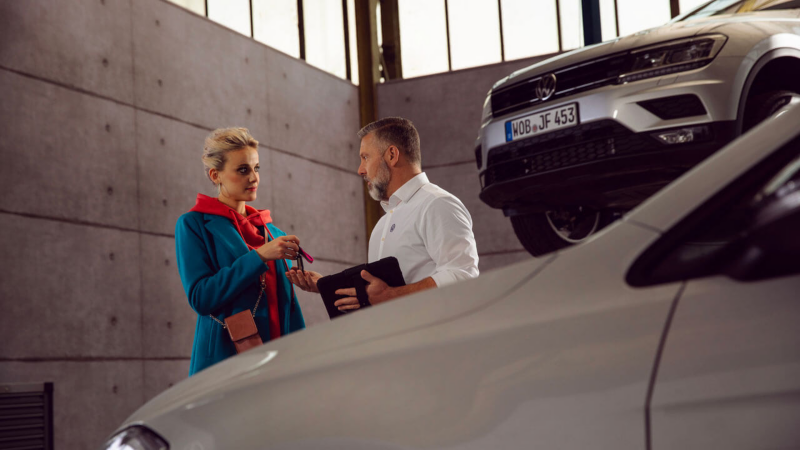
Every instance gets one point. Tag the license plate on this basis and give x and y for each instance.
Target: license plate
(542, 122)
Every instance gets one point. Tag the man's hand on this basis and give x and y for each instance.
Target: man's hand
(305, 280)
(377, 292)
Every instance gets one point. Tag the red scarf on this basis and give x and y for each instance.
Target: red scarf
(246, 226)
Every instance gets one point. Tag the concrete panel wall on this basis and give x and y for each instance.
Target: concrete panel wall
(105, 108)
(446, 109)
(90, 398)
(85, 45)
(69, 155)
(310, 116)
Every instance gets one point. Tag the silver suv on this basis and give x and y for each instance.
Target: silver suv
(569, 144)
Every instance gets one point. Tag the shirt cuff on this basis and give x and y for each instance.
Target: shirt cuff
(444, 278)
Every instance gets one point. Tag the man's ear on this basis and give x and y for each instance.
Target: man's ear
(392, 155)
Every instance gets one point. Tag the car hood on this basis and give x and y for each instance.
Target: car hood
(644, 38)
(316, 345)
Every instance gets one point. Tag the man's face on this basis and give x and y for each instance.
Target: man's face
(373, 167)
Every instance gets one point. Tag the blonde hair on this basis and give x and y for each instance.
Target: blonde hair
(224, 140)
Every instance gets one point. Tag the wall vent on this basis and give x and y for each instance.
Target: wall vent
(26, 416)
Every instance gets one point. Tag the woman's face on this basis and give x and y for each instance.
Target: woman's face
(239, 177)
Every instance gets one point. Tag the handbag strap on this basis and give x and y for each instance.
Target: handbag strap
(263, 280)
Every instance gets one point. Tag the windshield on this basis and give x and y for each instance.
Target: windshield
(719, 7)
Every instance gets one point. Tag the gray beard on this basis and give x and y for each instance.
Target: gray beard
(380, 184)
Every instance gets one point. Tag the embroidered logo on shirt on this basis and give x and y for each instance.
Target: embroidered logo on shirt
(391, 229)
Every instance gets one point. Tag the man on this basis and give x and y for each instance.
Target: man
(426, 228)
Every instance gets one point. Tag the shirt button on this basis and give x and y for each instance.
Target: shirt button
(383, 239)
(391, 211)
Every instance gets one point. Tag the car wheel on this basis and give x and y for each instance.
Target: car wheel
(542, 233)
(762, 106)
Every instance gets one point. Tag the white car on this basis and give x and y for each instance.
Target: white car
(676, 327)
(571, 143)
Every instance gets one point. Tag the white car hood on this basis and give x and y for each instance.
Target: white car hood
(740, 24)
(304, 349)
(466, 366)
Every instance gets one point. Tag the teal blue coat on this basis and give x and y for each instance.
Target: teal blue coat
(220, 277)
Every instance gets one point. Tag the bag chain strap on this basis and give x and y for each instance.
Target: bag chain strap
(263, 280)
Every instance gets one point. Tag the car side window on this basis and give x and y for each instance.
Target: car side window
(750, 231)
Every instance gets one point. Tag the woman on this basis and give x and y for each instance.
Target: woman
(231, 257)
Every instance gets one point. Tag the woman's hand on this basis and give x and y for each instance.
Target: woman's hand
(305, 280)
(282, 247)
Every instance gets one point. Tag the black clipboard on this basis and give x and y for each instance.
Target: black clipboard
(387, 269)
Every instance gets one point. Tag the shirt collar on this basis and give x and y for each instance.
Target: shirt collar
(406, 191)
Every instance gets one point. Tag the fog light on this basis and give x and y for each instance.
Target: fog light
(683, 135)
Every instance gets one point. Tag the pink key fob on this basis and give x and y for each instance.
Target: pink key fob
(306, 255)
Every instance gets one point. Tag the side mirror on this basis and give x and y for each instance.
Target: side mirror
(771, 248)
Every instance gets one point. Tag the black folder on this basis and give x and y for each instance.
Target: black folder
(387, 269)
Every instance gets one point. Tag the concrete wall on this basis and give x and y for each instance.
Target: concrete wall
(105, 105)
(446, 109)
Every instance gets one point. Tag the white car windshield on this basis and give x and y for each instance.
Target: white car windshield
(720, 7)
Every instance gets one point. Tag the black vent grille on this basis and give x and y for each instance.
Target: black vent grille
(26, 416)
(675, 107)
(569, 81)
(564, 148)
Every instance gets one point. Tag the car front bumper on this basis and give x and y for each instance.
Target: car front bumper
(617, 169)
(612, 159)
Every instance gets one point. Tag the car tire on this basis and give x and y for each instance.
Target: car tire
(542, 233)
(762, 106)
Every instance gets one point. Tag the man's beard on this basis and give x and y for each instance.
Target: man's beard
(379, 185)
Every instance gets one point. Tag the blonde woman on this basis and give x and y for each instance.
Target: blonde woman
(231, 257)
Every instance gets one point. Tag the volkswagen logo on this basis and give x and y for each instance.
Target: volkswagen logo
(546, 87)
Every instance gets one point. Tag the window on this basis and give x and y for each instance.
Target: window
(474, 33)
(747, 232)
(608, 20)
(351, 23)
(529, 28)
(234, 14)
(324, 35)
(196, 6)
(275, 24)
(636, 15)
(423, 37)
(571, 24)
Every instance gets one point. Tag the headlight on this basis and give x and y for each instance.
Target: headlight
(675, 57)
(487, 108)
(136, 438)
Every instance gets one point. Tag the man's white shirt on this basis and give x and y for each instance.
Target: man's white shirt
(429, 231)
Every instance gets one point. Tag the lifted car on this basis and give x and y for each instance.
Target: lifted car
(569, 144)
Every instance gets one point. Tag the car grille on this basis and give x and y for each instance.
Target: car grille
(570, 80)
(563, 148)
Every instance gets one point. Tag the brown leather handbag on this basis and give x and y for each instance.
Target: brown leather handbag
(242, 329)
(242, 325)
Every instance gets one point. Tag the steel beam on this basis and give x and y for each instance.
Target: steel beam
(368, 77)
(390, 31)
(592, 32)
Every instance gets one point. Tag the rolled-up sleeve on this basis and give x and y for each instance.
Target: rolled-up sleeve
(447, 231)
